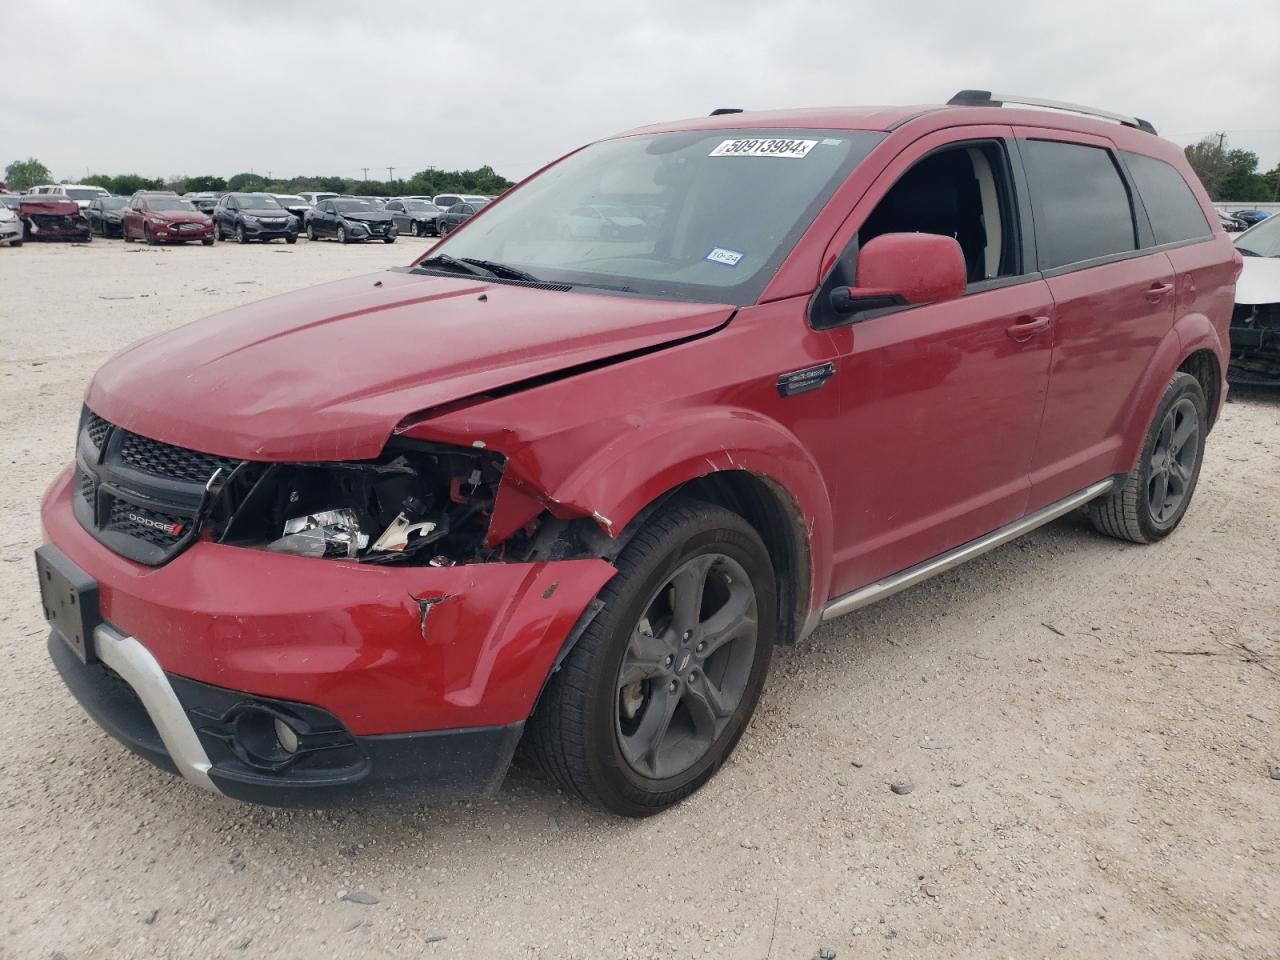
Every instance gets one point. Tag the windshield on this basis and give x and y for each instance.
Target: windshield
(420, 206)
(12, 201)
(701, 215)
(257, 201)
(83, 193)
(352, 206)
(169, 203)
(291, 201)
(1262, 240)
(114, 203)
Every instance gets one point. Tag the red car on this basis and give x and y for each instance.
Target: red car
(366, 538)
(52, 218)
(164, 218)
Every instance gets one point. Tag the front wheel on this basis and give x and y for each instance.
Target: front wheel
(146, 235)
(1155, 494)
(662, 683)
(342, 234)
(241, 236)
(311, 232)
(290, 239)
(388, 239)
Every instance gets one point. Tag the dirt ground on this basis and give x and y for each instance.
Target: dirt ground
(1090, 729)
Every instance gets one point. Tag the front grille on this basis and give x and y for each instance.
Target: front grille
(97, 429)
(151, 526)
(165, 460)
(85, 486)
(140, 497)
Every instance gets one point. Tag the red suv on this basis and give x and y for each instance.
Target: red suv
(570, 491)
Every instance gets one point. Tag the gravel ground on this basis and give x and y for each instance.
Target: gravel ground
(1089, 728)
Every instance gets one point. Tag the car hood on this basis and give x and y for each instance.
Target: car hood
(267, 212)
(180, 216)
(327, 372)
(1259, 281)
(55, 206)
(367, 216)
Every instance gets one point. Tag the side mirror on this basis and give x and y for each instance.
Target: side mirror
(902, 269)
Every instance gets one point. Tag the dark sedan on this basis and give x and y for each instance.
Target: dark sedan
(457, 215)
(350, 220)
(253, 216)
(296, 205)
(104, 215)
(416, 217)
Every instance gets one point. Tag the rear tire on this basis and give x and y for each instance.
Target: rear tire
(1155, 494)
(591, 726)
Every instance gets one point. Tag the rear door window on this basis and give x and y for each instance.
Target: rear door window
(1174, 212)
(1080, 202)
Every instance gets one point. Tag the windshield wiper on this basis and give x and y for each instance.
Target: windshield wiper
(502, 270)
(1245, 251)
(453, 263)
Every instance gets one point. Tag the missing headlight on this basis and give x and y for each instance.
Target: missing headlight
(390, 510)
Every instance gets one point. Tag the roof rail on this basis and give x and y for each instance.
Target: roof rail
(985, 98)
(721, 111)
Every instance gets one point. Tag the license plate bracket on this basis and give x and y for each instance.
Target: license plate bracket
(70, 598)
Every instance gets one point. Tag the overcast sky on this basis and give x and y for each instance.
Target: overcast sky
(330, 86)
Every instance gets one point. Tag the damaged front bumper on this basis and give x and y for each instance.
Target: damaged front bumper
(419, 676)
(1255, 345)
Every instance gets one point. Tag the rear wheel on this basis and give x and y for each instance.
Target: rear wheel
(657, 691)
(1155, 494)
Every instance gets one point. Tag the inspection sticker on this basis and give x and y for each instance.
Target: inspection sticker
(793, 149)
(724, 257)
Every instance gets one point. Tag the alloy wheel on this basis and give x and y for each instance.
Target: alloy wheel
(1173, 460)
(686, 667)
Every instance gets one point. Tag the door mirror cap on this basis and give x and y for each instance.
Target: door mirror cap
(903, 269)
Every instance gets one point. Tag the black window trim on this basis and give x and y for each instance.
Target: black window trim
(819, 314)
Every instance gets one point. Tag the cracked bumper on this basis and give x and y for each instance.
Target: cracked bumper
(349, 638)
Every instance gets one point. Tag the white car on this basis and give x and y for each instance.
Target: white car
(10, 227)
(314, 198)
(446, 200)
(83, 195)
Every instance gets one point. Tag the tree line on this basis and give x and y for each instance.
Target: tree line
(1232, 174)
(22, 175)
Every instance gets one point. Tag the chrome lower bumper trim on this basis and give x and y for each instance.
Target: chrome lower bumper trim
(865, 596)
(138, 668)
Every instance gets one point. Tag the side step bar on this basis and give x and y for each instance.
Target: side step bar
(865, 596)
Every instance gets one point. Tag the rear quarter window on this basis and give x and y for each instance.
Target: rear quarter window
(1080, 203)
(1174, 212)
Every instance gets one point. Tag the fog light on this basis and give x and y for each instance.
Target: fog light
(287, 736)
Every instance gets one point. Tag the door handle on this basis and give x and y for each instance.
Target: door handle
(1158, 290)
(1027, 327)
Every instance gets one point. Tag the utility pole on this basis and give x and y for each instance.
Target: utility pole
(366, 172)
(391, 174)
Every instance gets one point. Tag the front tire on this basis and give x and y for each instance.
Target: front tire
(1155, 494)
(311, 232)
(241, 236)
(342, 234)
(146, 235)
(659, 688)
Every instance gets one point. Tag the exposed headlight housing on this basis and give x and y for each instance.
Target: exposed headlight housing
(327, 533)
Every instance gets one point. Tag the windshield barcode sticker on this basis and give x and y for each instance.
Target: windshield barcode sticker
(763, 148)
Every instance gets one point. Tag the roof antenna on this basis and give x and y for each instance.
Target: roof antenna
(721, 111)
